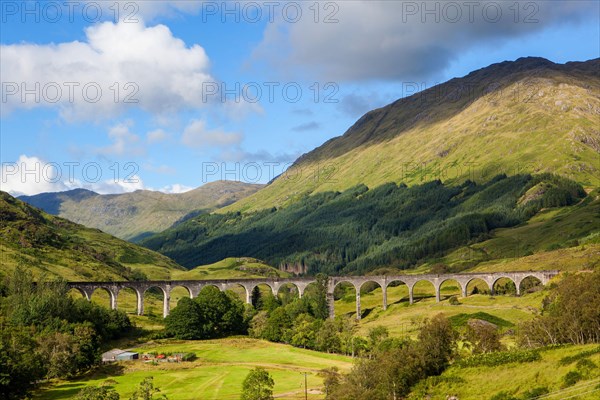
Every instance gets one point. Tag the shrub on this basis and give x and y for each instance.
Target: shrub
(503, 396)
(571, 378)
(211, 314)
(500, 358)
(571, 359)
(570, 314)
(586, 368)
(97, 393)
(484, 337)
(535, 393)
(453, 301)
(189, 357)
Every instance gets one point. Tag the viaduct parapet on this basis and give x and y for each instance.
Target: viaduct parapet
(195, 286)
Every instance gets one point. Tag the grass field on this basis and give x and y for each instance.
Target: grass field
(218, 373)
(403, 319)
(481, 383)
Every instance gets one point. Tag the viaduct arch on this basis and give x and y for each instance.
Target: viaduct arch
(195, 286)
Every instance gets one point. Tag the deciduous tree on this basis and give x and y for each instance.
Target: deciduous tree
(258, 385)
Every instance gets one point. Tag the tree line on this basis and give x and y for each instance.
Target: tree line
(45, 333)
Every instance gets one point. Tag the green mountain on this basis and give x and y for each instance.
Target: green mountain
(46, 244)
(526, 116)
(132, 216)
(363, 229)
(444, 176)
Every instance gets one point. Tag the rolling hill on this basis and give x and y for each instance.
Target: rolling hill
(50, 245)
(452, 175)
(526, 116)
(132, 216)
(363, 229)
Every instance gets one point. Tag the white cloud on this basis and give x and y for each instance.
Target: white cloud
(197, 135)
(111, 186)
(391, 40)
(156, 136)
(148, 65)
(124, 141)
(31, 175)
(237, 155)
(161, 169)
(176, 188)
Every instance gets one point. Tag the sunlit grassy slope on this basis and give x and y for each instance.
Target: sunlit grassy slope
(403, 319)
(481, 383)
(530, 115)
(218, 373)
(55, 247)
(231, 268)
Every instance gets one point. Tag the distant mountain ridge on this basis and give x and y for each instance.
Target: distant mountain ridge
(525, 116)
(132, 216)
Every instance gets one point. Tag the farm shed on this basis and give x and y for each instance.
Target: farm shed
(127, 355)
(111, 355)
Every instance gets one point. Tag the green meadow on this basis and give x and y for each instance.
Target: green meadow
(217, 374)
(223, 364)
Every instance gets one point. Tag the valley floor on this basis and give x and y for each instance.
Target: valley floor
(218, 372)
(223, 364)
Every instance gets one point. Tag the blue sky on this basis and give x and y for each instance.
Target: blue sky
(295, 74)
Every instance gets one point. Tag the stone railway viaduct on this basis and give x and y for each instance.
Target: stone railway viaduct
(195, 286)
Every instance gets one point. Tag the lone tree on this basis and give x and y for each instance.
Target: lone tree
(97, 393)
(147, 391)
(258, 385)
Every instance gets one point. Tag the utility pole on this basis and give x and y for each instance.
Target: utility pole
(305, 387)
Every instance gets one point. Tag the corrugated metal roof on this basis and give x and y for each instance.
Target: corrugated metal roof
(112, 353)
(127, 354)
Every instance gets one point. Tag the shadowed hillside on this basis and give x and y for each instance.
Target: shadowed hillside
(362, 229)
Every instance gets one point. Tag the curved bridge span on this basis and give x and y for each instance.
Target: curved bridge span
(195, 286)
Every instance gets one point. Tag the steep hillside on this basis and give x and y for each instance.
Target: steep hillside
(362, 229)
(132, 216)
(530, 115)
(51, 245)
(565, 238)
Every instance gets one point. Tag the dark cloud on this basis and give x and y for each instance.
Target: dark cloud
(406, 40)
(309, 126)
(303, 111)
(260, 156)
